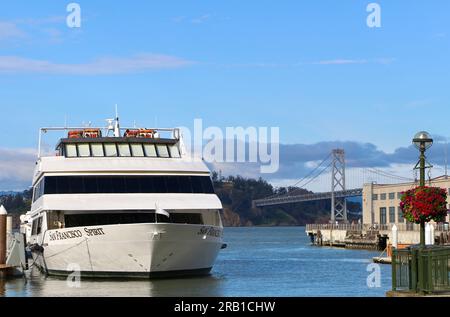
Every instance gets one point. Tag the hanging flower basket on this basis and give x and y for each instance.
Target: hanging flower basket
(423, 204)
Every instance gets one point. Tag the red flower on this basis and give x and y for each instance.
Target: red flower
(423, 204)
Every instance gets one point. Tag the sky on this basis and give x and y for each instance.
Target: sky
(312, 68)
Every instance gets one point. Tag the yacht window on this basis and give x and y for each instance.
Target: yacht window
(55, 220)
(34, 227)
(174, 152)
(83, 150)
(110, 149)
(137, 150)
(39, 225)
(104, 219)
(187, 218)
(124, 149)
(147, 216)
(97, 150)
(126, 185)
(150, 150)
(162, 150)
(71, 150)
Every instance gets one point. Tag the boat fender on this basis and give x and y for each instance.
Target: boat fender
(37, 248)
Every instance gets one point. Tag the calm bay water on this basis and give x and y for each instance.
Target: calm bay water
(269, 262)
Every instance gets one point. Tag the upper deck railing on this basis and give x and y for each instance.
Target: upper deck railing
(167, 133)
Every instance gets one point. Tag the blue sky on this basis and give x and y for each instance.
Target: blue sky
(312, 68)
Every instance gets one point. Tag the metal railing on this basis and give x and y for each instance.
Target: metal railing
(440, 227)
(436, 263)
(404, 269)
(421, 270)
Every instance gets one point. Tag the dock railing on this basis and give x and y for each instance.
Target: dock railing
(421, 270)
(439, 227)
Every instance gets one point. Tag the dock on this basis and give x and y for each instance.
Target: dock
(382, 260)
(369, 237)
(6, 270)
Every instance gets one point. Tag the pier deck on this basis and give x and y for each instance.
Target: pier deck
(5, 270)
(371, 237)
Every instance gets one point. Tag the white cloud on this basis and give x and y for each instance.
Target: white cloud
(101, 66)
(9, 30)
(16, 168)
(201, 19)
(41, 21)
(341, 62)
(382, 61)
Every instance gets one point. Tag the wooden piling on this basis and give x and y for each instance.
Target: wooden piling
(3, 220)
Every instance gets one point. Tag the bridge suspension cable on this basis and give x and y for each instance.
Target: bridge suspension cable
(388, 175)
(308, 176)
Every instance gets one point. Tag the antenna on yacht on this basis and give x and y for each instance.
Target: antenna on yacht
(117, 125)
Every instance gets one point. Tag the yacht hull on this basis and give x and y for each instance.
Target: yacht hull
(131, 250)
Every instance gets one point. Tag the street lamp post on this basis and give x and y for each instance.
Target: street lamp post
(423, 142)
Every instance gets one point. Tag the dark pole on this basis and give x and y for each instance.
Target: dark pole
(422, 183)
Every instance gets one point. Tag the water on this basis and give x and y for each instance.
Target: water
(269, 262)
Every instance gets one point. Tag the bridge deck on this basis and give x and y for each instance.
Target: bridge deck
(287, 199)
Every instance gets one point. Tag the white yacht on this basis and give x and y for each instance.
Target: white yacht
(113, 202)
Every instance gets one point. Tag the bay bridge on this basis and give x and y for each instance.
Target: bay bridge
(333, 167)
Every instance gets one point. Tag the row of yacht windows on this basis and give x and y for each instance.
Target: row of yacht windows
(123, 185)
(57, 219)
(121, 150)
(103, 219)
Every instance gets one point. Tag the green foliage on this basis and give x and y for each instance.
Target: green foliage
(18, 203)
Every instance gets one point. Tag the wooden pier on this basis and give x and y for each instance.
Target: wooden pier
(369, 237)
(6, 270)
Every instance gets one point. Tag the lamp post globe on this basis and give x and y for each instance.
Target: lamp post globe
(422, 140)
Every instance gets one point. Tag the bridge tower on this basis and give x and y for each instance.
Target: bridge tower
(338, 205)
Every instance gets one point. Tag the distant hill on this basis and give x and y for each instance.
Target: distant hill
(9, 193)
(16, 202)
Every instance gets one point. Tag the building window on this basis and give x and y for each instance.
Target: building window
(399, 195)
(391, 196)
(375, 197)
(391, 214)
(383, 215)
(383, 196)
(400, 215)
